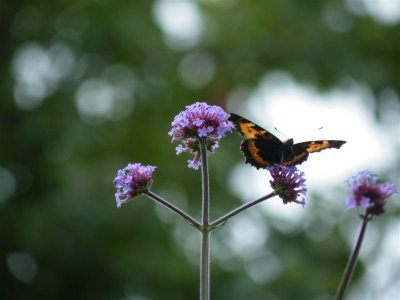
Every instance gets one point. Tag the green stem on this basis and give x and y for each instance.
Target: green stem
(352, 260)
(174, 209)
(205, 232)
(222, 220)
(205, 266)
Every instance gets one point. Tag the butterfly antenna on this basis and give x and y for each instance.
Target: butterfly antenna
(281, 133)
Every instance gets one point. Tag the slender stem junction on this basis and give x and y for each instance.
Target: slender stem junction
(174, 209)
(352, 260)
(222, 220)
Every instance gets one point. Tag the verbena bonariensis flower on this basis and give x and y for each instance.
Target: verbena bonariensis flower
(288, 183)
(199, 121)
(368, 193)
(132, 181)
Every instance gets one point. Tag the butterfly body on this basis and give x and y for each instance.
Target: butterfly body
(262, 149)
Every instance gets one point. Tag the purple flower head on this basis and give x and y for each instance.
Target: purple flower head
(288, 183)
(132, 181)
(368, 193)
(199, 121)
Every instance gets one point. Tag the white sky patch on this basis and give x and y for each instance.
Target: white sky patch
(386, 12)
(94, 98)
(111, 97)
(7, 184)
(22, 266)
(246, 234)
(180, 21)
(38, 72)
(382, 276)
(389, 256)
(265, 268)
(196, 70)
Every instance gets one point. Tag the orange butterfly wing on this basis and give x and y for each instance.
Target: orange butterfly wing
(262, 149)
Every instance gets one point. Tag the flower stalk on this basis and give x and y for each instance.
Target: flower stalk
(205, 232)
(174, 209)
(346, 278)
(222, 220)
(371, 195)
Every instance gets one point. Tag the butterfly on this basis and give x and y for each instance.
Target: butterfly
(263, 149)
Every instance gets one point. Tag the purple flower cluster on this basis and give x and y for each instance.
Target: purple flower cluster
(368, 193)
(288, 183)
(132, 181)
(199, 121)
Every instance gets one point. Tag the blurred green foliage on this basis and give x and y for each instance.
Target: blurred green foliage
(61, 235)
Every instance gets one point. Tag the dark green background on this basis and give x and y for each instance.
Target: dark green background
(62, 211)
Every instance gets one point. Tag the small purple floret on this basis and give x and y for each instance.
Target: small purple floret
(368, 193)
(132, 181)
(288, 183)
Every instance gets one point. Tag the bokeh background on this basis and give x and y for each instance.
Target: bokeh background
(89, 86)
